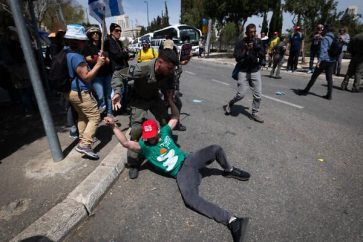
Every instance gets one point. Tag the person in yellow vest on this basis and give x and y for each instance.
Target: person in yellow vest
(274, 42)
(147, 53)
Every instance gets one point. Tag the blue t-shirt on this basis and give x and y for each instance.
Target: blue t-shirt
(296, 41)
(73, 61)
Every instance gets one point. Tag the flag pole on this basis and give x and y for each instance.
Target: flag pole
(104, 30)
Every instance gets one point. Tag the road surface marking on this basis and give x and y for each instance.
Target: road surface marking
(281, 101)
(224, 83)
(190, 73)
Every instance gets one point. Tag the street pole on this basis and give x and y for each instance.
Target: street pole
(147, 12)
(45, 114)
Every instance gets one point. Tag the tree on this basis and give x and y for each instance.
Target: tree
(275, 21)
(351, 22)
(264, 27)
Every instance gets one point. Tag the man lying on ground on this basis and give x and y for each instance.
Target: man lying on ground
(158, 147)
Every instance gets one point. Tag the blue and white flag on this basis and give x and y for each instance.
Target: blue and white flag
(99, 9)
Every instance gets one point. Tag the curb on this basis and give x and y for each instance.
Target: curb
(59, 221)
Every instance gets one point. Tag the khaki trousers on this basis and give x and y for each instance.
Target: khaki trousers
(88, 115)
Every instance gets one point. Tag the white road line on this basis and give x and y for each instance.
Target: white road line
(281, 101)
(224, 83)
(190, 73)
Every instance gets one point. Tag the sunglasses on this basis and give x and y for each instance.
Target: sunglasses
(117, 30)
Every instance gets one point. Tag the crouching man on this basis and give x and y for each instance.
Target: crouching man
(158, 147)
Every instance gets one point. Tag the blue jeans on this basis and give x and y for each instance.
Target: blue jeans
(102, 87)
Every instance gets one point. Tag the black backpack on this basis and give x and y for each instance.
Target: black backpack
(58, 73)
(336, 47)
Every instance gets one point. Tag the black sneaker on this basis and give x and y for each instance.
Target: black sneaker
(327, 97)
(133, 172)
(302, 92)
(227, 109)
(180, 127)
(87, 150)
(237, 174)
(238, 229)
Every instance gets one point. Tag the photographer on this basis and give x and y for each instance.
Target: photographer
(249, 55)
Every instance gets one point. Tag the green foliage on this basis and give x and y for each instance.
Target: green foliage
(264, 27)
(159, 22)
(351, 23)
(142, 31)
(228, 33)
(275, 21)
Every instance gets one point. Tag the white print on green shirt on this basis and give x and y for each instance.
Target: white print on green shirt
(169, 159)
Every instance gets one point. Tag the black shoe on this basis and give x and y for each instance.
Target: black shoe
(354, 89)
(238, 229)
(302, 92)
(237, 174)
(133, 172)
(180, 127)
(327, 97)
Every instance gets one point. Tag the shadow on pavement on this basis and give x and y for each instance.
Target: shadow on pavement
(239, 109)
(18, 130)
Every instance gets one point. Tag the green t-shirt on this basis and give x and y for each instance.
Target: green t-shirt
(165, 155)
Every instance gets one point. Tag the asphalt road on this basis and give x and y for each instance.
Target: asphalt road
(305, 161)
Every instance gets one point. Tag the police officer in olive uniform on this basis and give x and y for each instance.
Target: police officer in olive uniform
(149, 78)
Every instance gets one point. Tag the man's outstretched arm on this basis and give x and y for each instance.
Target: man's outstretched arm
(174, 110)
(128, 144)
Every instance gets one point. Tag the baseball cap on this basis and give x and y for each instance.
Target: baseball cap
(76, 31)
(276, 33)
(168, 44)
(149, 129)
(145, 42)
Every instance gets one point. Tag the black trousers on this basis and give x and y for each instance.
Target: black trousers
(328, 67)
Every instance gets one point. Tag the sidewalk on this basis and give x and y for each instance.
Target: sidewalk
(40, 197)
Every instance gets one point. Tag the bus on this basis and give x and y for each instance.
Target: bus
(178, 33)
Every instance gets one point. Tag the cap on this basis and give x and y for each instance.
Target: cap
(113, 26)
(145, 41)
(93, 30)
(168, 44)
(276, 33)
(76, 31)
(149, 129)
(297, 28)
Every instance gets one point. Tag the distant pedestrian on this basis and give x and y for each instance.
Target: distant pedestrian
(80, 95)
(146, 53)
(295, 44)
(201, 47)
(325, 63)
(344, 39)
(355, 67)
(158, 147)
(274, 42)
(278, 57)
(249, 55)
(315, 46)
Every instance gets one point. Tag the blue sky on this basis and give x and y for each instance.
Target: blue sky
(136, 10)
